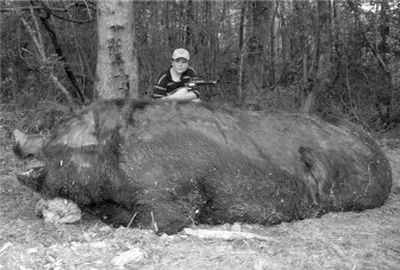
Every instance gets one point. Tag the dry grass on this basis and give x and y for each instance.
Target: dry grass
(365, 240)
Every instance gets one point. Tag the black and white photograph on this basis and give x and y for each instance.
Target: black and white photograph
(200, 134)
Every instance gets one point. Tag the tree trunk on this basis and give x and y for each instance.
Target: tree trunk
(212, 32)
(189, 24)
(258, 44)
(272, 45)
(385, 100)
(284, 38)
(39, 45)
(384, 29)
(305, 85)
(207, 38)
(167, 32)
(44, 15)
(242, 47)
(117, 65)
(319, 72)
(383, 48)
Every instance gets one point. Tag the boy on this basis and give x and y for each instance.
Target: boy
(170, 84)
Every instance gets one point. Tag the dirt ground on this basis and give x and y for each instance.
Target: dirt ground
(364, 240)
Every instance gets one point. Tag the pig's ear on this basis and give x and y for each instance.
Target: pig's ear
(89, 118)
(78, 133)
(19, 139)
(27, 145)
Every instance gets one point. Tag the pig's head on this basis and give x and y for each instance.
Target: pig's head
(81, 160)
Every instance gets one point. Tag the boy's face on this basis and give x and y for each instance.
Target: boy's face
(180, 65)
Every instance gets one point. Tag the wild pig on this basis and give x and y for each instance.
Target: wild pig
(164, 166)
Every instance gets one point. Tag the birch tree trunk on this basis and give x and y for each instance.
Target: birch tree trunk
(117, 64)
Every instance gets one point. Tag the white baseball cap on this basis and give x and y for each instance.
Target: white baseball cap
(180, 53)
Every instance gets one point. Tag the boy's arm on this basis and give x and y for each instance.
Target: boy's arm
(193, 74)
(182, 94)
(160, 88)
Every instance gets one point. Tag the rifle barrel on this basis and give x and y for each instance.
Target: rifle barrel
(194, 83)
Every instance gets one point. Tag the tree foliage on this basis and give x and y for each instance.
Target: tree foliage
(333, 58)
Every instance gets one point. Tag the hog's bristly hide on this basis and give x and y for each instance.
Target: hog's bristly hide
(164, 166)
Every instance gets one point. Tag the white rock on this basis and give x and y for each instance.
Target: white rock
(132, 255)
(58, 210)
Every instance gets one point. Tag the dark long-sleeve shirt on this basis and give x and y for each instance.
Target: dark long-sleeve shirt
(166, 86)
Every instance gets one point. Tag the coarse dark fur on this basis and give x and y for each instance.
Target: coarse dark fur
(164, 166)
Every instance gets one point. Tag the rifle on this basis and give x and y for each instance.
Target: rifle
(193, 83)
(198, 82)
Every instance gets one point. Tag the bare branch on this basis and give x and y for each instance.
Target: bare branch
(37, 40)
(37, 43)
(61, 87)
(88, 9)
(53, 10)
(88, 5)
(71, 20)
(375, 52)
(39, 35)
(44, 19)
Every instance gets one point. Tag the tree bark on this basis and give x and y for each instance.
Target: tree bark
(117, 64)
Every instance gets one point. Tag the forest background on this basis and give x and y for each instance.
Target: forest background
(331, 58)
